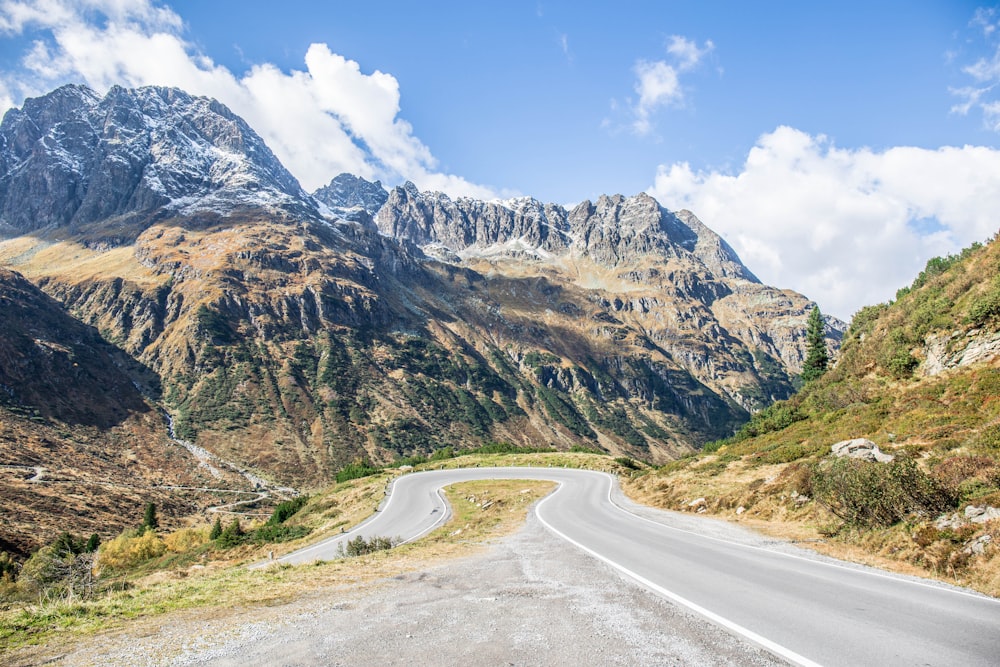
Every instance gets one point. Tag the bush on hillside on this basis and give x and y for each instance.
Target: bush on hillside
(359, 546)
(357, 470)
(865, 494)
(128, 550)
(286, 509)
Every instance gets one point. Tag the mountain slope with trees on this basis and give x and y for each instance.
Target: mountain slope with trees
(919, 377)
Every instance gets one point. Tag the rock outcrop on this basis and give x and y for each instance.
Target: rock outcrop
(960, 348)
(860, 448)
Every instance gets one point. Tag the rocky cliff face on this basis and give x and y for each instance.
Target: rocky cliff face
(71, 158)
(668, 273)
(294, 341)
(346, 192)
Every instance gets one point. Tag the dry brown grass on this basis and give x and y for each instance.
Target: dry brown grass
(483, 511)
(776, 501)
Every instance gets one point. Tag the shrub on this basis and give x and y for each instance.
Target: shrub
(359, 546)
(8, 567)
(357, 470)
(868, 494)
(286, 509)
(232, 535)
(128, 550)
(50, 571)
(775, 417)
(278, 533)
(785, 453)
(186, 539)
(985, 307)
(626, 462)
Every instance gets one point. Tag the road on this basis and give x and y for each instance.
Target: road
(808, 611)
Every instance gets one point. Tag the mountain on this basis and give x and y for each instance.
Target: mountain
(294, 333)
(71, 158)
(80, 448)
(918, 377)
(348, 195)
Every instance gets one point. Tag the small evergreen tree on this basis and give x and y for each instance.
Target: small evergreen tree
(92, 544)
(232, 535)
(67, 544)
(149, 520)
(216, 529)
(817, 358)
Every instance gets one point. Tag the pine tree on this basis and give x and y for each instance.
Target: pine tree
(817, 358)
(232, 535)
(216, 529)
(92, 544)
(149, 520)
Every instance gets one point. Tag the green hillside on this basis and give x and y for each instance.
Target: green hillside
(920, 377)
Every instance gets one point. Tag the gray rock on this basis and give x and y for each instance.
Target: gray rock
(860, 448)
(70, 158)
(978, 546)
(981, 514)
(947, 351)
(347, 191)
(949, 521)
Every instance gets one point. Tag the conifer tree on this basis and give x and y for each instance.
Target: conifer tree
(216, 529)
(817, 358)
(149, 520)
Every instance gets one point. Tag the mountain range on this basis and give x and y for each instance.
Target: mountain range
(183, 269)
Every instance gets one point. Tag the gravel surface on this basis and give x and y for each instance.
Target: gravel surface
(530, 599)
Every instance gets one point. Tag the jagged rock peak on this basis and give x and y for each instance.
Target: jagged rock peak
(713, 250)
(613, 230)
(72, 157)
(434, 218)
(348, 191)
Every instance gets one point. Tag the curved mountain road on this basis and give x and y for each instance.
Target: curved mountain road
(805, 610)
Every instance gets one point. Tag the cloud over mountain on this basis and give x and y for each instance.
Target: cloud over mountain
(823, 220)
(328, 118)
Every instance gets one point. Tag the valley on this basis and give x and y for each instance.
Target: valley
(203, 366)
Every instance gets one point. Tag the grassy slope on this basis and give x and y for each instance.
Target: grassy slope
(948, 423)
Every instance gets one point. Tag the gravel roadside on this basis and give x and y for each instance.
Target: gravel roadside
(529, 599)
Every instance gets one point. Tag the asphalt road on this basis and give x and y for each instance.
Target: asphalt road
(805, 610)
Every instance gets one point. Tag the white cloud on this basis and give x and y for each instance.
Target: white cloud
(657, 86)
(658, 82)
(687, 52)
(985, 71)
(846, 228)
(330, 117)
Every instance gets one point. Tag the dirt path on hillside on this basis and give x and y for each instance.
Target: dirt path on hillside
(530, 599)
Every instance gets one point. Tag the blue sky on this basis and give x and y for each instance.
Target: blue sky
(836, 146)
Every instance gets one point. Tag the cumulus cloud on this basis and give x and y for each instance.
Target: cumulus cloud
(328, 118)
(658, 82)
(846, 228)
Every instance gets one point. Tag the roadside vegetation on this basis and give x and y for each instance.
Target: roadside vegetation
(146, 572)
(922, 512)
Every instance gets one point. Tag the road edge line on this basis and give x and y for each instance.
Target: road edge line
(736, 628)
(858, 568)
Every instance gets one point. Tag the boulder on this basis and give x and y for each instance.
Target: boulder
(860, 448)
(977, 547)
(981, 514)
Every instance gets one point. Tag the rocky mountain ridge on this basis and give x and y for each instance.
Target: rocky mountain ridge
(71, 158)
(296, 333)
